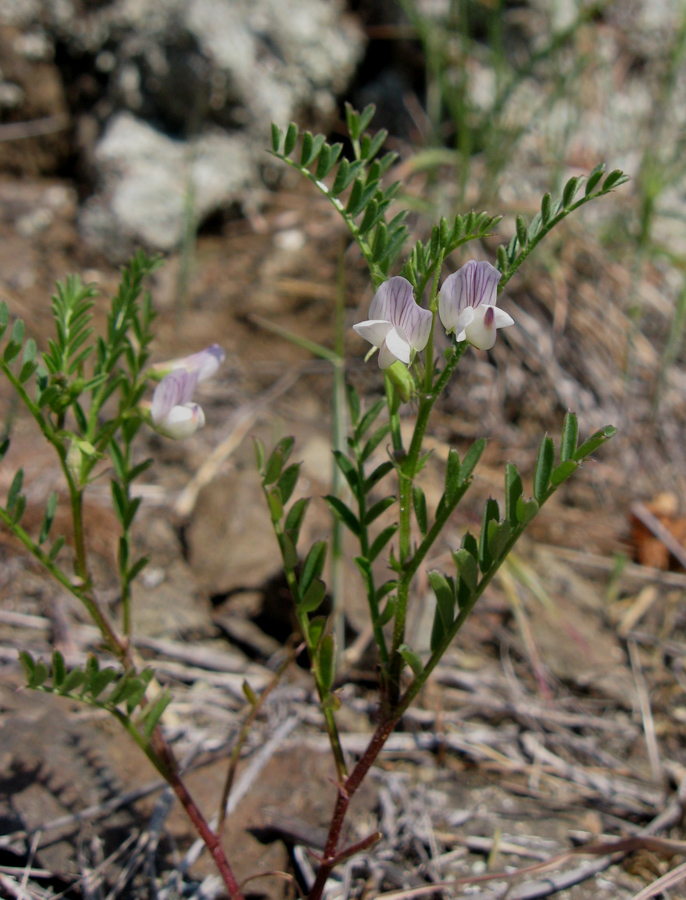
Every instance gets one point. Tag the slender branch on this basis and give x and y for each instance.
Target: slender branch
(245, 731)
(111, 639)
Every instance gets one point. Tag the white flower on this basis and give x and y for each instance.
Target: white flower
(397, 325)
(172, 412)
(467, 304)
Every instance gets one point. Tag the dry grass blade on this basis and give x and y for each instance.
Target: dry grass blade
(669, 880)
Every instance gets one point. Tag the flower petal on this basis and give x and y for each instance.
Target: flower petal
(373, 330)
(391, 300)
(182, 421)
(481, 333)
(175, 388)
(502, 319)
(473, 285)
(398, 345)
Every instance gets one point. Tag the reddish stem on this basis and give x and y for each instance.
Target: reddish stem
(345, 792)
(212, 841)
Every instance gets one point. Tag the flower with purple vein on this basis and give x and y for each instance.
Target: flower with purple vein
(467, 304)
(172, 413)
(397, 325)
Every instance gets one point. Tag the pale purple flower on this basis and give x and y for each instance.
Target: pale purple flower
(397, 325)
(467, 304)
(172, 412)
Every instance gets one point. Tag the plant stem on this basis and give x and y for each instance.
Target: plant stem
(331, 727)
(111, 639)
(345, 794)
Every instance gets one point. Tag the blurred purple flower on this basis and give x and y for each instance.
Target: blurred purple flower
(397, 325)
(172, 412)
(467, 304)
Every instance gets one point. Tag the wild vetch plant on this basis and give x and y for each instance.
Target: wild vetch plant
(90, 396)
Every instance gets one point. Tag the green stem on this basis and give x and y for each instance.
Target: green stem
(329, 720)
(109, 635)
(394, 417)
(406, 475)
(374, 612)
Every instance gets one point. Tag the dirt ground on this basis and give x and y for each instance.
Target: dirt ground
(557, 721)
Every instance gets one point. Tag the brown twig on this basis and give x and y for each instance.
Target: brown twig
(245, 730)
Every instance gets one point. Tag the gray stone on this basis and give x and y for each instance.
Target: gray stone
(148, 180)
(191, 87)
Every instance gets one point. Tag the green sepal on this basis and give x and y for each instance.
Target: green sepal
(388, 611)
(380, 541)
(72, 680)
(287, 482)
(419, 504)
(513, 491)
(59, 671)
(491, 513)
(315, 629)
(138, 470)
(594, 177)
(374, 441)
(99, 680)
(470, 543)
(445, 597)
(277, 460)
(295, 518)
(614, 179)
(570, 437)
(290, 139)
(365, 118)
(348, 471)
(569, 191)
(499, 534)
(543, 468)
(313, 597)
(562, 472)
(341, 180)
(471, 458)
(13, 347)
(378, 509)
(313, 566)
(258, 446)
(412, 659)
(326, 656)
(453, 481)
(375, 144)
(138, 687)
(467, 568)
(306, 149)
(56, 547)
(153, 712)
(526, 510)
(275, 504)
(15, 491)
(368, 418)
(137, 568)
(344, 514)
(596, 440)
(379, 472)
(288, 552)
(353, 405)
